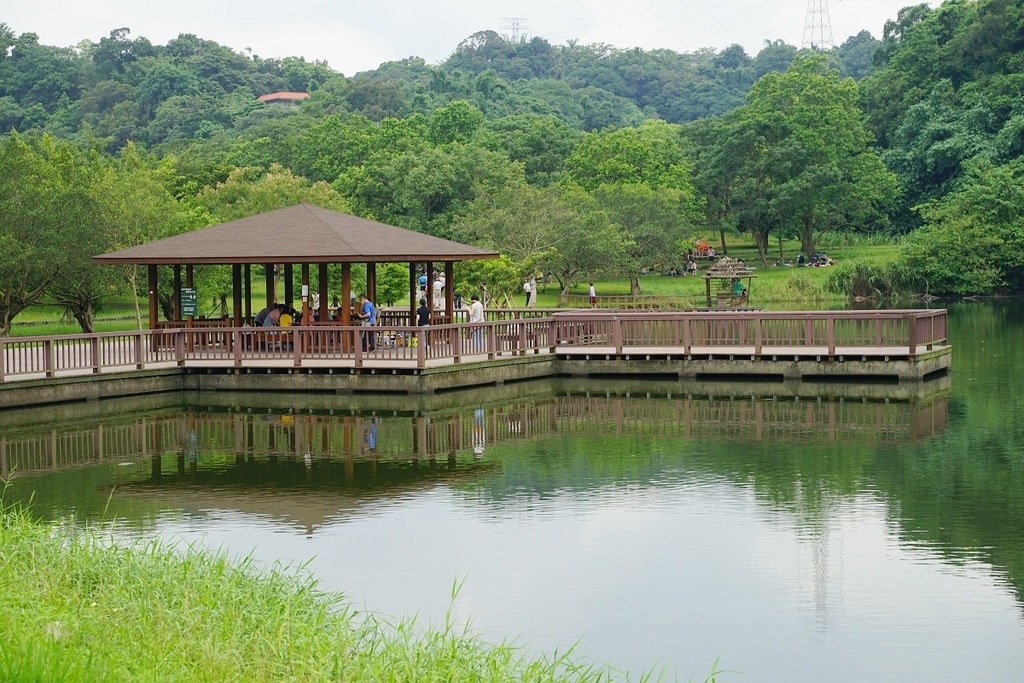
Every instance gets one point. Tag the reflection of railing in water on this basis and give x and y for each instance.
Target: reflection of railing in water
(460, 433)
(757, 419)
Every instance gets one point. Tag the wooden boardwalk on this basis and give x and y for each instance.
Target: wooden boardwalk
(915, 338)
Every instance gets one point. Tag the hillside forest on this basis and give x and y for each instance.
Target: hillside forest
(572, 160)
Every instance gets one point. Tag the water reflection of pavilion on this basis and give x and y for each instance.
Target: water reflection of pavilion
(322, 434)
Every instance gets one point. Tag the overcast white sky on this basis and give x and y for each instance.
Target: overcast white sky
(357, 35)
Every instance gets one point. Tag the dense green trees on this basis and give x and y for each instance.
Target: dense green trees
(945, 93)
(508, 141)
(973, 238)
(125, 88)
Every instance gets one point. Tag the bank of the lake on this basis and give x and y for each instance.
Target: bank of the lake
(75, 607)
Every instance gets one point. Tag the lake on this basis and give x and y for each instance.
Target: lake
(778, 532)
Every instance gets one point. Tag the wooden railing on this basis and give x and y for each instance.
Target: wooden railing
(828, 333)
(398, 317)
(629, 302)
(757, 332)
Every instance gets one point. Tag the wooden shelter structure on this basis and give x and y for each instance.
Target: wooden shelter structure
(731, 281)
(301, 234)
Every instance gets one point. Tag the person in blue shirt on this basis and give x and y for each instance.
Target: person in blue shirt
(368, 314)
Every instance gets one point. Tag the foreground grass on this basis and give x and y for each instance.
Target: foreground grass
(74, 608)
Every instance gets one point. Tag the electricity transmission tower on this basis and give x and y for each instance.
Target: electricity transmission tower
(517, 29)
(817, 26)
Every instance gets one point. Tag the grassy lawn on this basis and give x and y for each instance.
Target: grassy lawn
(773, 287)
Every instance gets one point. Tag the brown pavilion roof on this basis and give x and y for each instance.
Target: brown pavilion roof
(297, 234)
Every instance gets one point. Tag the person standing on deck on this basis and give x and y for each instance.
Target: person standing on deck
(368, 314)
(438, 291)
(423, 318)
(476, 318)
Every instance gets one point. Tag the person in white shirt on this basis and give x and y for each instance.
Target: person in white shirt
(593, 296)
(438, 293)
(476, 317)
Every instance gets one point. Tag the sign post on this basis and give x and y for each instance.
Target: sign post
(188, 302)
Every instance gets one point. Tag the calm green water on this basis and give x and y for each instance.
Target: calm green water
(792, 533)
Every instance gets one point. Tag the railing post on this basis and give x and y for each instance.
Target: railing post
(831, 327)
(420, 335)
(456, 345)
(913, 336)
(758, 335)
(48, 358)
(137, 349)
(179, 346)
(3, 359)
(94, 354)
(617, 334)
(236, 347)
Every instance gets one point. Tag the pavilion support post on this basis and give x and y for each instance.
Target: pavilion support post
(346, 293)
(414, 293)
(322, 287)
(449, 290)
(371, 282)
(188, 283)
(248, 291)
(289, 294)
(429, 293)
(236, 295)
(268, 278)
(153, 304)
(305, 294)
(176, 296)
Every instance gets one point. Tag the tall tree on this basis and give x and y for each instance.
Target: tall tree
(641, 179)
(818, 149)
(546, 229)
(45, 205)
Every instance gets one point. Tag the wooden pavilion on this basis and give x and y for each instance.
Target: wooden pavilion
(731, 279)
(305, 235)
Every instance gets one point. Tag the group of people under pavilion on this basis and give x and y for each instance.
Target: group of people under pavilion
(304, 236)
